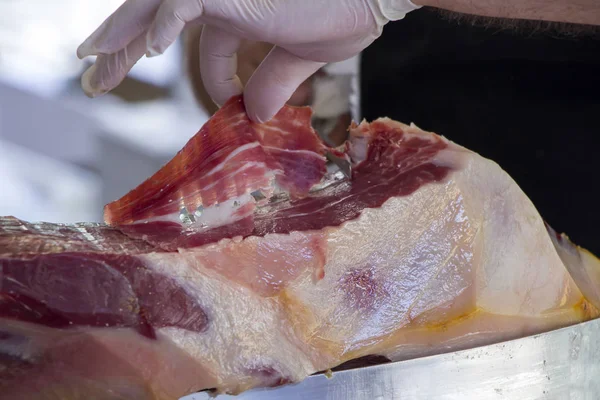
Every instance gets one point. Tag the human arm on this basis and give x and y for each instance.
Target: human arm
(306, 35)
(568, 11)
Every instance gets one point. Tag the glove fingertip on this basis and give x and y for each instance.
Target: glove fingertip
(89, 83)
(258, 111)
(275, 81)
(86, 81)
(85, 50)
(154, 47)
(152, 53)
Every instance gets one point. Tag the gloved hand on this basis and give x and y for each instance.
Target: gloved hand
(307, 34)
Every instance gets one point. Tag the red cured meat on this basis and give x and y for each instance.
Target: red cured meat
(228, 157)
(89, 276)
(396, 164)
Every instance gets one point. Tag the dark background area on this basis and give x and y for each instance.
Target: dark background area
(528, 100)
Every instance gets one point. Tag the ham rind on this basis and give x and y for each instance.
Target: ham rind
(207, 185)
(429, 248)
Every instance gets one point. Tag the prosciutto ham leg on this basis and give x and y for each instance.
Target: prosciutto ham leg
(243, 264)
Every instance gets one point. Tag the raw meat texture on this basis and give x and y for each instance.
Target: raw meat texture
(208, 184)
(430, 248)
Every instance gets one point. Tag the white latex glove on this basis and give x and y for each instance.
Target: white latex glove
(307, 34)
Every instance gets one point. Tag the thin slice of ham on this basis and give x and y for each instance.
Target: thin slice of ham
(429, 248)
(200, 195)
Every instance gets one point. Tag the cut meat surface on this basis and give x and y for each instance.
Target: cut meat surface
(401, 163)
(429, 248)
(207, 185)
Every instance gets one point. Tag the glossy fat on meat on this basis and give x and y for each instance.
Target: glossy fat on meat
(452, 280)
(430, 248)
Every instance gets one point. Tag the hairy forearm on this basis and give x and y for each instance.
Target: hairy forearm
(568, 11)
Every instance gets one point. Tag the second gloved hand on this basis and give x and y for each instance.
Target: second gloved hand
(307, 34)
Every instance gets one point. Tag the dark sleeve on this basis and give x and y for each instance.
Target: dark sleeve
(529, 102)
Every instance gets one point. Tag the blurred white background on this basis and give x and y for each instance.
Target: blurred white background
(62, 155)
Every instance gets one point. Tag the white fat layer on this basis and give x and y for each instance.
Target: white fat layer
(305, 152)
(211, 217)
(520, 272)
(472, 242)
(231, 155)
(419, 257)
(245, 331)
(450, 157)
(223, 213)
(276, 130)
(245, 167)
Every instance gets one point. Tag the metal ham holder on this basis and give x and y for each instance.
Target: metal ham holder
(557, 365)
(560, 364)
